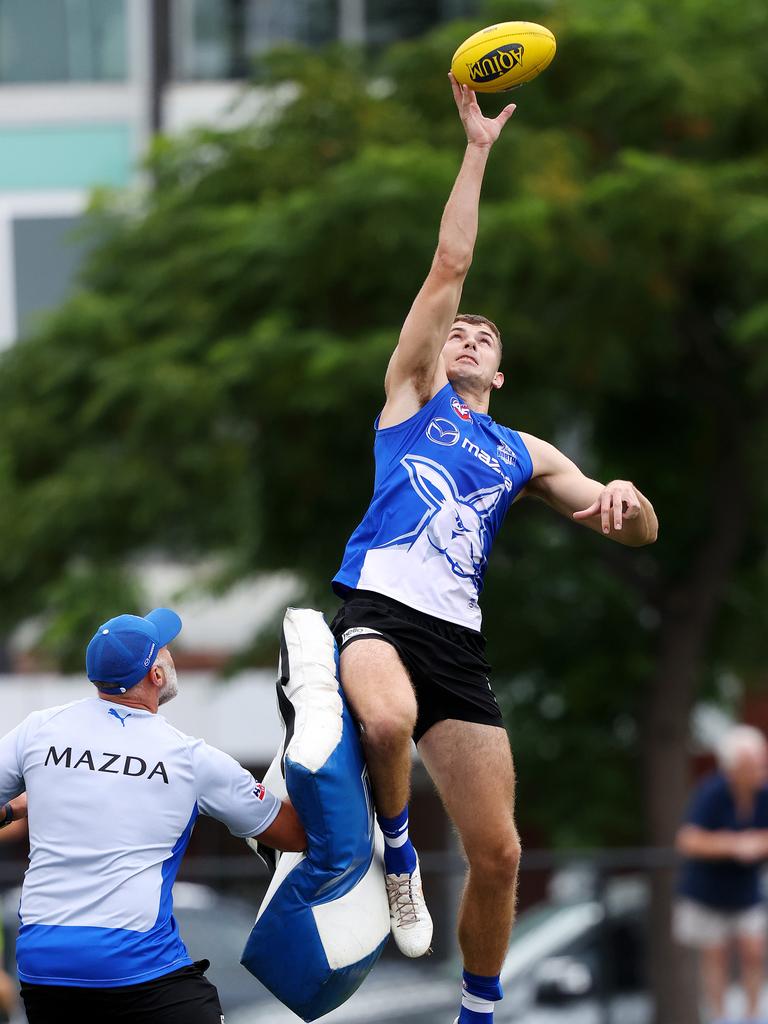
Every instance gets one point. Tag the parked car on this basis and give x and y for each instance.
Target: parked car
(573, 962)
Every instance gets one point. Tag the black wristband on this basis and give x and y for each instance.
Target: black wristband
(8, 816)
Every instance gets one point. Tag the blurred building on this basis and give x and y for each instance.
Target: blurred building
(85, 83)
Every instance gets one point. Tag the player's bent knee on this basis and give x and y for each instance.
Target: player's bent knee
(507, 856)
(497, 861)
(390, 731)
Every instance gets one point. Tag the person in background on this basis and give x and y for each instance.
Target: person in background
(723, 841)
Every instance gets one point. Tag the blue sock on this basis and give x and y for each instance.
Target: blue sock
(399, 854)
(478, 994)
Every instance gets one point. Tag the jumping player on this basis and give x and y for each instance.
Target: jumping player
(412, 654)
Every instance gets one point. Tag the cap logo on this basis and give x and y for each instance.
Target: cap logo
(104, 632)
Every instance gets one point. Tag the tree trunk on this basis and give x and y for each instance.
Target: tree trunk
(673, 976)
(687, 615)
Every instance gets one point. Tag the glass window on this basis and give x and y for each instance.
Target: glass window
(47, 256)
(390, 20)
(214, 39)
(203, 43)
(311, 22)
(386, 21)
(62, 41)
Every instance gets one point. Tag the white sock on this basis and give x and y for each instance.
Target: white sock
(476, 1003)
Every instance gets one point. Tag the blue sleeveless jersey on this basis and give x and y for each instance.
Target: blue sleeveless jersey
(444, 481)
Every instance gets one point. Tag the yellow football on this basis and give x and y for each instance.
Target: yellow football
(502, 56)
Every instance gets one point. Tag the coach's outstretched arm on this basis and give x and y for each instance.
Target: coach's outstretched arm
(618, 509)
(286, 832)
(416, 370)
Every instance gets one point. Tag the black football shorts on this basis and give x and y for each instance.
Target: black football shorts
(446, 662)
(181, 997)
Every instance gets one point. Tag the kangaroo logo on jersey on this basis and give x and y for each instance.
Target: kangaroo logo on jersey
(454, 525)
(461, 409)
(121, 718)
(443, 432)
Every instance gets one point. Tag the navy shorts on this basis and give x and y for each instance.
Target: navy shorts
(446, 662)
(181, 997)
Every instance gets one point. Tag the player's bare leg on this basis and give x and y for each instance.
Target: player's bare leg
(381, 697)
(472, 768)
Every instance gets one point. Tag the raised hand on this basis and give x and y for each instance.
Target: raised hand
(481, 131)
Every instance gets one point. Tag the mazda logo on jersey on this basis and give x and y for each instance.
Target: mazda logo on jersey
(111, 764)
(443, 432)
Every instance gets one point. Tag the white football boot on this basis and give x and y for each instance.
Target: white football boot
(408, 914)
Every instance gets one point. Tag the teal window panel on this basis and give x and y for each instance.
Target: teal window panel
(65, 156)
(63, 41)
(48, 253)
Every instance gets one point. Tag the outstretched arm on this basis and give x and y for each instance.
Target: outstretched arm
(618, 509)
(415, 370)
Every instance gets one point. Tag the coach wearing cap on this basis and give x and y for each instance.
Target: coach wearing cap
(113, 794)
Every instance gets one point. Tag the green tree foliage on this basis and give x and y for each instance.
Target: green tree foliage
(211, 386)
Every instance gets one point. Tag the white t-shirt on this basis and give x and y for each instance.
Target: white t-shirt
(113, 794)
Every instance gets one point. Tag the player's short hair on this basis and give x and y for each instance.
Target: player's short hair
(476, 320)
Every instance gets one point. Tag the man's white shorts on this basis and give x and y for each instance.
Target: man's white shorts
(697, 925)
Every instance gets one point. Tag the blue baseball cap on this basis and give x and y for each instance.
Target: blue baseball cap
(124, 649)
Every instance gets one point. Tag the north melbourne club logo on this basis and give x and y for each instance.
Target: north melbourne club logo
(461, 409)
(443, 432)
(505, 453)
